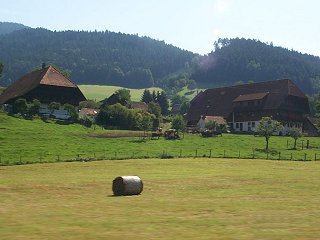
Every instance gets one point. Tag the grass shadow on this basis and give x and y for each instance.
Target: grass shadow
(269, 151)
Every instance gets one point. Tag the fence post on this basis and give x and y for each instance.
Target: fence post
(305, 156)
(279, 155)
(20, 158)
(196, 152)
(210, 153)
(94, 155)
(302, 144)
(239, 154)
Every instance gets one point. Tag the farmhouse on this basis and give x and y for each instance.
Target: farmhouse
(242, 106)
(47, 85)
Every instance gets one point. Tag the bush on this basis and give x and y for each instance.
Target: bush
(121, 117)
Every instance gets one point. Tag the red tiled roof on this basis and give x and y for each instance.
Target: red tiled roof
(55, 78)
(89, 111)
(217, 119)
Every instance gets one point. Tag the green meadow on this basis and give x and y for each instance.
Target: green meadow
(190, 94)
(31, 141)
(183, 198)
(98, 93)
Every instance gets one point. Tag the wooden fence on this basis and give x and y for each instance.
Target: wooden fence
(20, 158)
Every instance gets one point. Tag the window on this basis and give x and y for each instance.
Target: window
(253, 124)
(237, 125)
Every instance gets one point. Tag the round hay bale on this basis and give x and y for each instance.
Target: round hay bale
(127, 185)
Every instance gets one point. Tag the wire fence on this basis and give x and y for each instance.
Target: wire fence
(23, 158)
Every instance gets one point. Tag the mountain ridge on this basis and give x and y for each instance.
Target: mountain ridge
(128, 60)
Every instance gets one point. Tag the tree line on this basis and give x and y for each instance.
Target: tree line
(236, 61)
(102, 58)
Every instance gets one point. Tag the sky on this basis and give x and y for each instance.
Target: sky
(193, 25)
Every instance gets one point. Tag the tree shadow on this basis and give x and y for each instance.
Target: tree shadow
(269, 151)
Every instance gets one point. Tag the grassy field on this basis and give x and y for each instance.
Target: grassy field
(182, 199)
(99, 93)
(189, 94)
(27, 141)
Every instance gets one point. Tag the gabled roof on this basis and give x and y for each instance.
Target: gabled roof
(46, 76)
(220, 101)
(139, 105)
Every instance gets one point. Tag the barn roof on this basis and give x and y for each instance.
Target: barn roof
(46, 76)
(220, 101)
(250, 97)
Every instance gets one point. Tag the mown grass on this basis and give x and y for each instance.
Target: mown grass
(28, 141)
(190, 94)
(98, 93)
(182, 199)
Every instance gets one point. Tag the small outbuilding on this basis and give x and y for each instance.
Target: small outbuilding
(205, 119)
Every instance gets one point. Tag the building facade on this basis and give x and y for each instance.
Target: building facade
(242, 106)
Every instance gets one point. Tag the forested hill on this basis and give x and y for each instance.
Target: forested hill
(241, 60)
(105, 58)
(109, 58)
(9, 27)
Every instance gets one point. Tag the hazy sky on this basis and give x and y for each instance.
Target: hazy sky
(189, 24)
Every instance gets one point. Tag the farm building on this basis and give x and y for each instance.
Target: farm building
(205, 119)
(242, 106)
(47, 85)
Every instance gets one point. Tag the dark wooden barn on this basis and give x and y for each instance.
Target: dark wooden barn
(47, 85)
(244, 105)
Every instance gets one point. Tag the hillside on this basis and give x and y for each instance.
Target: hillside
(118, 59)
(237, 61)
(99, 93)
(8, 27)
(100, 58)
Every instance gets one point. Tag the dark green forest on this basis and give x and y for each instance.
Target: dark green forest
(236, 61)
(109, 58)
(103, 58)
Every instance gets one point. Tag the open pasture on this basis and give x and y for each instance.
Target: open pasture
(29, 141)
(182, 199)
(98, 93)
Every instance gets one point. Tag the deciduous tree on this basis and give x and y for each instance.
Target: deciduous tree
(295, 133)
(268, 127)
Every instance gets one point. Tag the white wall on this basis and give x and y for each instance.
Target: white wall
(254, 124)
